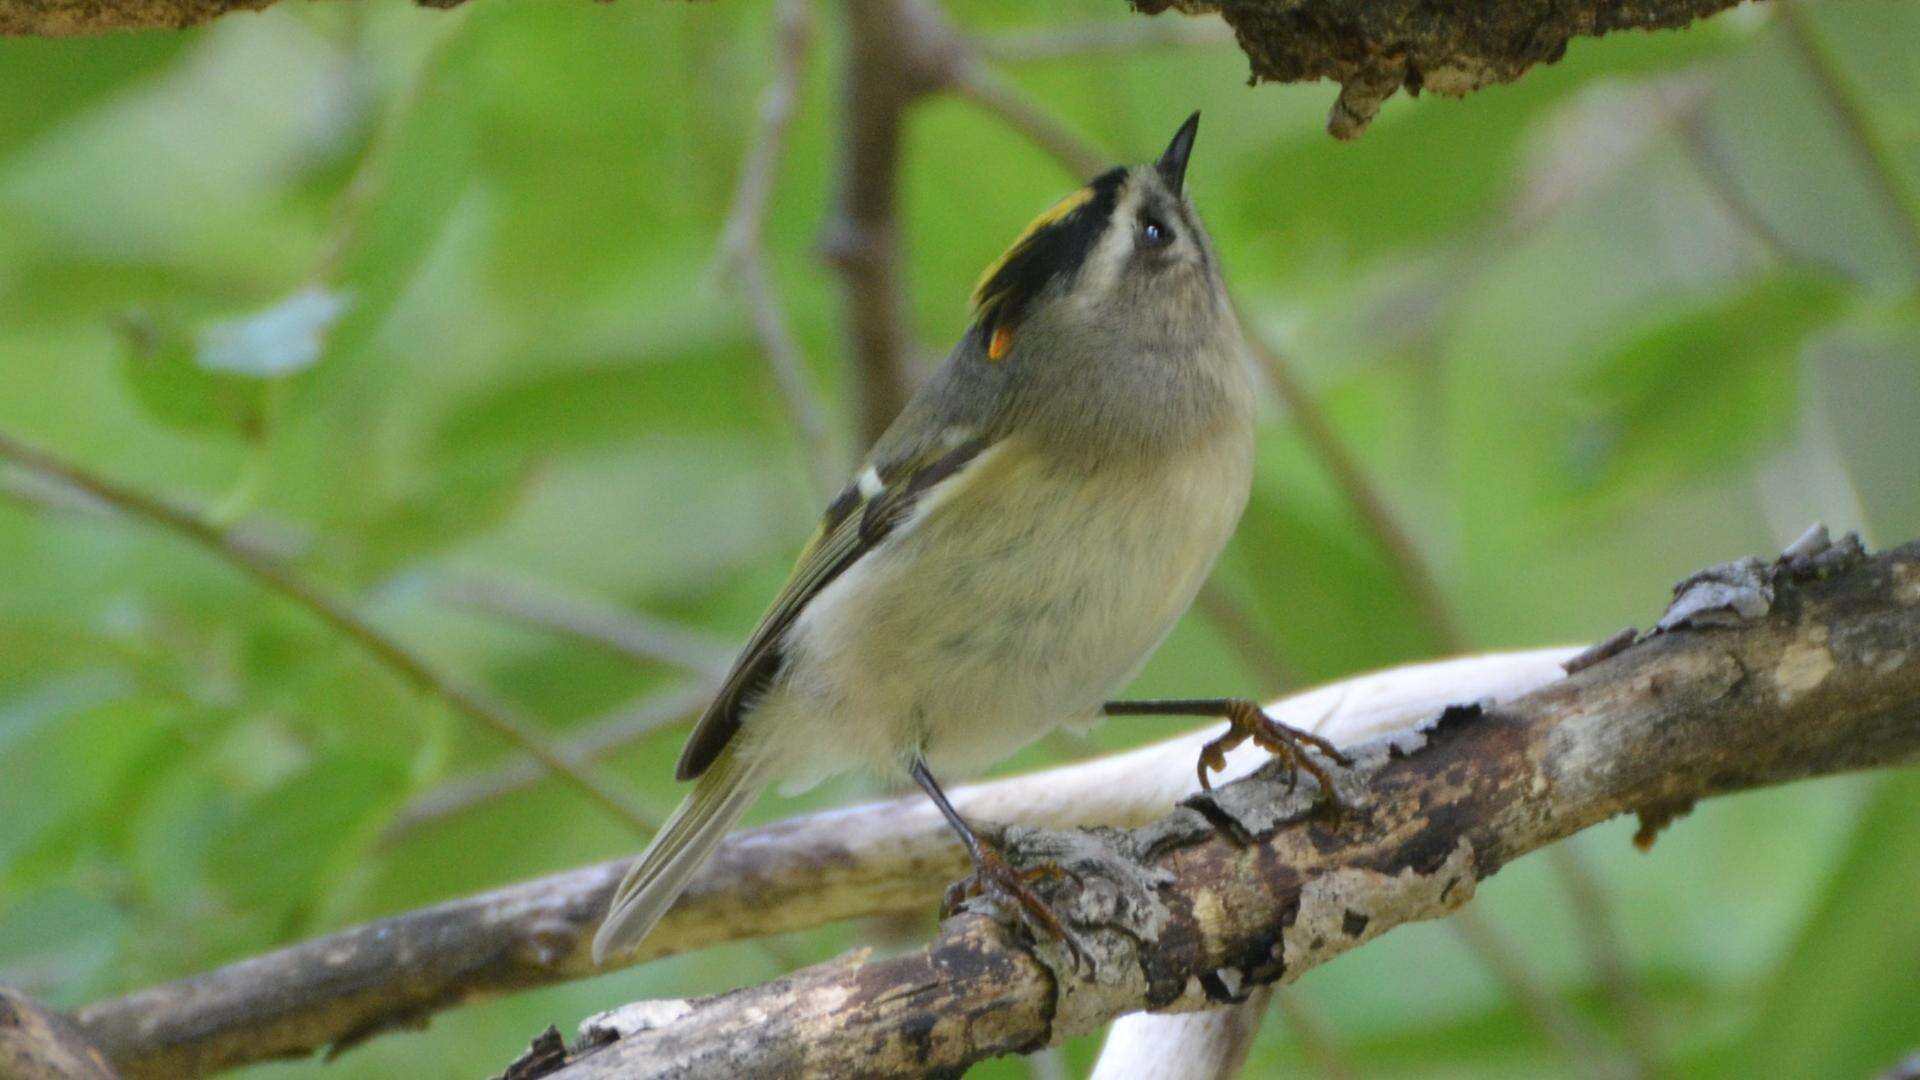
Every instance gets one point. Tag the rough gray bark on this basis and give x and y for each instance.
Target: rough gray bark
(1761, 674)
(38, 1045)
(336, 991)
(1374, 47)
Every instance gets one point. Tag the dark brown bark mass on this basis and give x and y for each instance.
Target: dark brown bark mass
(1374, 47)
(70, 18)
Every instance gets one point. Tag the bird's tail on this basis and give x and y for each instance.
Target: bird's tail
(660, 874)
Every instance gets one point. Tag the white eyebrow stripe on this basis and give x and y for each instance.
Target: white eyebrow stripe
(1103, 264)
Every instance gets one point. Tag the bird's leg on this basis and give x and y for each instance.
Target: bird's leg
(1249, 721)
(992, 872)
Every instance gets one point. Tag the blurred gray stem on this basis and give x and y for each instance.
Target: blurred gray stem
(895, 49)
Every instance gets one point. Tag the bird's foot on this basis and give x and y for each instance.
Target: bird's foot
(993, 875)
(1290, 744)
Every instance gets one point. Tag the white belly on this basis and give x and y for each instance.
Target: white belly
(1012, 602)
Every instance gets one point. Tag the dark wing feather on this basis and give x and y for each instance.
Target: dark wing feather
(853, 526)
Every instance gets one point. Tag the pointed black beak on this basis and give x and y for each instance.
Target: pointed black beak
(1173, 163)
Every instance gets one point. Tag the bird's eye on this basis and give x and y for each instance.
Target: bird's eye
(1153, 234)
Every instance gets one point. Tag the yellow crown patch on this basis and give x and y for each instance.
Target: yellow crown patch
(1047, 217)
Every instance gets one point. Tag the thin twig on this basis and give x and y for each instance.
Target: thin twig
(1403, 556)
(282, 579)
(1548, 1012)
(743, 251)
(376, 162)
(1118, 37)
(269, 538)
(1249, 640)
(986, 88)
(628, 633)
(1607, 955)
(1856, 127)
(1702, 153)
(598, 739)
(1317, 1044)
(1708, 160)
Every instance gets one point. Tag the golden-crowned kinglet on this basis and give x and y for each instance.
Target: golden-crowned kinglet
(1017, 544)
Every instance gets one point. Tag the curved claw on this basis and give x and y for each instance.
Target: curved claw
(992, 872)
(1250, 721)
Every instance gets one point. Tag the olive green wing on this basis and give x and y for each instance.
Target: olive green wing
(863, 515)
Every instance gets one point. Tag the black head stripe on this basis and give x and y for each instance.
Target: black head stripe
(1052, 249)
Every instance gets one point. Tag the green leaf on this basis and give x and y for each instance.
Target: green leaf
(1325, 590)
(87, 78)
(1842, 1002)
(160, 366)
(418, 164)
(462, 499)
(573, 406)
(216, 377)
(282, 847)
(1702, 388)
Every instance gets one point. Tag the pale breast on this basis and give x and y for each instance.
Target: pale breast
(1018, 598)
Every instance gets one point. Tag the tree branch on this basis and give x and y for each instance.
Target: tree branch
(743, 253)
(885, 858)
(628, 633)
(1760, 674)
(1878, 165)
(896, 50)
(38, 1045)
(289, 583)
(618, 729)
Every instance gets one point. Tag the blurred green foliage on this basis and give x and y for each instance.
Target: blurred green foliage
(1543, 318)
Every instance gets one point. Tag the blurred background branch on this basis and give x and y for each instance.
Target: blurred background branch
(743, 252)
(894, 52)
(282, 579)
